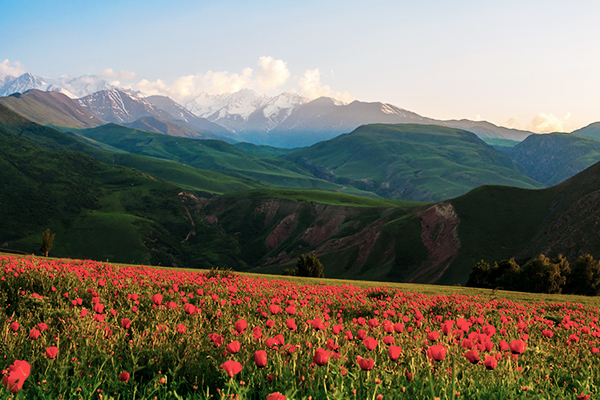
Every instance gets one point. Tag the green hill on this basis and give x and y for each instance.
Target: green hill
(555, 157)
(181, 175)
(99, 211)
(214, 155)
(411, 162)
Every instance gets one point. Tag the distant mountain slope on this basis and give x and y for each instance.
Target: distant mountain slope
(51, 108)
(180, 113)
(411, 162)
(553, 158)
(118, 106)
(73, 87)
(214, 155)
(592, 130)
(153, 124)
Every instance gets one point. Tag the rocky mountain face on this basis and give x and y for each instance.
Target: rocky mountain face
(73, 87)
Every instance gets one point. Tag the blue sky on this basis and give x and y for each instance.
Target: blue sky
(528, 64)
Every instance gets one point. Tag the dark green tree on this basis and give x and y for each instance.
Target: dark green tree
(541, 275)
(584, 277)
(309, 266)
(47, 240)
(479, 276)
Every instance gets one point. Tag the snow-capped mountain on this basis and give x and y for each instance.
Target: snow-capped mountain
(80, 86)
(73, 87)
(119, 106)
(245, 110)
(25, 82)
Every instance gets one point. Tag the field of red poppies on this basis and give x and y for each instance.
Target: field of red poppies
(75, 329)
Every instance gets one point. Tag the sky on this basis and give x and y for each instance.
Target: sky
(523, 64)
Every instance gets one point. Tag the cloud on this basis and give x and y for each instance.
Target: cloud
(546, 123)
(123, 75)
(14, 69)
(310, 86)
(271, 73)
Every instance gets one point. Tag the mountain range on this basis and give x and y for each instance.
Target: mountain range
(286, 120)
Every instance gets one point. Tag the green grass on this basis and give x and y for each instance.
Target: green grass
(211, 155)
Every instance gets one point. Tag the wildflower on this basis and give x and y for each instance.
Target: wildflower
(51, 352)
(34, 334)
(125, 323)
(517, 346)
(472, 356)
(232, 367)
(394, 352)
(365, 364)
(490, 362)
(14, 326)
(233, 347)
(433, 336)
(437, 352)
(370, 343)
(18, 372)
(181, 328)
(321, 356)
(157, 299)
(260, 358)
(240, 326)
(124, 376)
(276, 396)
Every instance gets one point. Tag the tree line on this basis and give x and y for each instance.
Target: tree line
(540, 275)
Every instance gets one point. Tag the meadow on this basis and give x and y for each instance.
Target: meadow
(80, 329)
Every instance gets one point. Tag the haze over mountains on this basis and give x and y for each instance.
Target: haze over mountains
(286, 120)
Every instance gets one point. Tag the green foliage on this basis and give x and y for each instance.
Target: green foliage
(47, 240)
(585, 277)
(309, 266)
(540, 275)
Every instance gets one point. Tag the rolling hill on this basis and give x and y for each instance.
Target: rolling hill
(214, 155)
(411, 162)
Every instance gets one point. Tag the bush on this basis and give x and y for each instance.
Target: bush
(307, 266)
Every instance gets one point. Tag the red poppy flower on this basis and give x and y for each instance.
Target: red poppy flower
(260, 358)
(503, 345)
(240, 325)
(517, 346)
(189, 309)
(433, 336)
(365, 364)
(125, 323)
(370, 343)
(232, 367)
(490, 362)
(124, 376)
(181, 328)
(437, 352)
(34, 334)
(472, 356)
(291, 324)
(18, 372)
(389, 340)
(157, 299)
(547, 333)
(43, 326)
(14, 326)
(51, 352)
(321, 356)
(233, 347)
(276, 396)
(394, 352)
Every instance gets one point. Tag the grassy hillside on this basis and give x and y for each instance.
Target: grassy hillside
(98, 211)
(411, 162)
(181, 175)
(212, 155)
(555, 157)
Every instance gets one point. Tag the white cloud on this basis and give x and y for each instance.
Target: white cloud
(124, 75)
(310, 86)
(14, 69)
(271, 73)
(546, 123)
